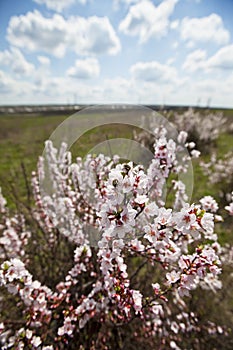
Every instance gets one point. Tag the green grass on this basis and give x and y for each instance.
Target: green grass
(224, 144)
(22, 140)
(203, 187)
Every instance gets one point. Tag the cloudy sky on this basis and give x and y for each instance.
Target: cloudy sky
(116, 51)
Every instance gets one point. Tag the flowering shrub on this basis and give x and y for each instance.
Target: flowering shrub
(229, 207)
(147, 138)
(219, 170)
(105, 263)
(203, 130)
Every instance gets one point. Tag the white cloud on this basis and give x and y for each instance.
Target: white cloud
(6, 83)
(175, 45)
(154, 72)
(195, 60)
(85, 36)
(88, 68)
(170, 61)
(96, 35)
(13, 90)
(221, 60)
(117, 3)
(37, 33)
(14, 59)
(146, 20)
(219, 91)
(58, 5)
(117, 90)
(45, 61)
(205, 29)
(174, 24)
(128, 2)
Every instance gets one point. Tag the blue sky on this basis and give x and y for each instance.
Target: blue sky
(116, 51)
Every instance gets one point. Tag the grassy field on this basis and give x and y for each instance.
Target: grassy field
(22, 140)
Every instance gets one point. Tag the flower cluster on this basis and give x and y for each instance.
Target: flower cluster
(219, 170)
(204, 130)
(14, 235)
(201, 130)
(229, 207)
(130, 255)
